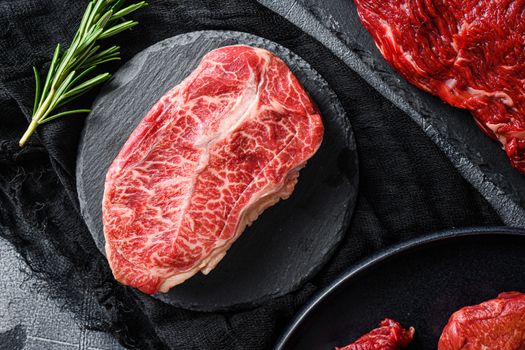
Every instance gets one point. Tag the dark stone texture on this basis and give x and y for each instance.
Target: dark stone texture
(419, 283)
(292, 240)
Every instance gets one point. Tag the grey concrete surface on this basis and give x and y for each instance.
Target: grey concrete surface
(29, 320)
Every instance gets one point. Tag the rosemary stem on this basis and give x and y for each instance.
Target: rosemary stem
(37, 117)
(29, 132)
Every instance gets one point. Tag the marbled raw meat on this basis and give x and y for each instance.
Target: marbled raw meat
(494, 324)
(207, 159)
(390, 335)
(470, 53)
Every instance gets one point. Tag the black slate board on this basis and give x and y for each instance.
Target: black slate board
(290, 241)
(480, 160)
(419, 283)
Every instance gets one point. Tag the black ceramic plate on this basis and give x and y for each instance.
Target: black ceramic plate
(419, 283)
(290, 241)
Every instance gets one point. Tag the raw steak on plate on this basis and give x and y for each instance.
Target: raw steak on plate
(206, 161)
(494, 324)
(390, 335)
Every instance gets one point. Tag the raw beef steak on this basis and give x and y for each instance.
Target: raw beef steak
(390, 335)
(470, 53)
(208, 158)
(497, 324)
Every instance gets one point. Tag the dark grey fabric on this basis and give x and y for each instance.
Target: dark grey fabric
(408, 187)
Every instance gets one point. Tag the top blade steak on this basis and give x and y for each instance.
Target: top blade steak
(208, 158)
(470, 53)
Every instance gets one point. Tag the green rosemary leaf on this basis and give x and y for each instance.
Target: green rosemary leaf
(83, 23)
(61, 70)
(129, 10)
(81, 76)
(118, 28)
(61, 89)
(87, 85)
(104, 19)
(101, 61)
(79, 62)
(37, 89)
(111, 52)
(106, 56)
(64, 101)
(117, 5)
(54, 63)
(96, 10)
(91, 39)
(58, 115)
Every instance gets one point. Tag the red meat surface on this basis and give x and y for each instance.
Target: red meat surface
(206, 160)
(470, 53)
(389, 336)
(497, 324)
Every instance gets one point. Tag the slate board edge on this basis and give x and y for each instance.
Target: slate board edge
(242, 306)
(510, 212)
(303, 64)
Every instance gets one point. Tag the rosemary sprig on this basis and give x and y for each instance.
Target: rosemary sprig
(68, 75)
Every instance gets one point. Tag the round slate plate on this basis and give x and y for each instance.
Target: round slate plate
(419, 283)
(290, 241)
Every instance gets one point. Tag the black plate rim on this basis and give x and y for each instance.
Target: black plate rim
(383, 255)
